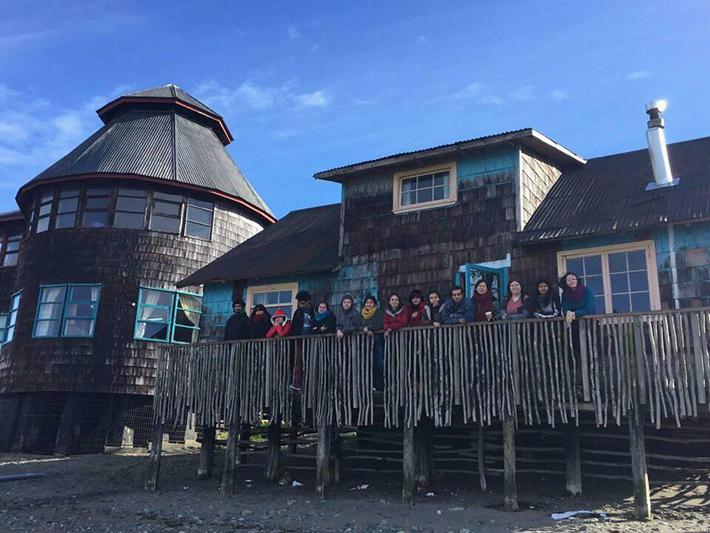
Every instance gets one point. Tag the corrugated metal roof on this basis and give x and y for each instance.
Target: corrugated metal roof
(158, 144)
(173, 91)
(608, 195)
(304, 241)
(527, 136)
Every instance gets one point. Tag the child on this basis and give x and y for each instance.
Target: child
(281, 326)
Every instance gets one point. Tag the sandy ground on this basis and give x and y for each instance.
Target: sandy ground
(105, 493)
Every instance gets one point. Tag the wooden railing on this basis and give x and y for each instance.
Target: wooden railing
(488, 370)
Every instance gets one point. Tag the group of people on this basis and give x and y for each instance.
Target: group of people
(545, 302)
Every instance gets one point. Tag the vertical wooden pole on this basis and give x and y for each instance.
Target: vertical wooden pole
(336, 446)
(244, 437)
(509, 481)
(323, 460)
(422, 449)
(204, 471)
(639, 473)
(273, 450)
(156, 447)
(293, 440)
(481, 459)
(69, 432)
(408, 464)
(573, 477)
(231, 458)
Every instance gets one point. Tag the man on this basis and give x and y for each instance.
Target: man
(304, 316)
(457, 310)
(237, 327)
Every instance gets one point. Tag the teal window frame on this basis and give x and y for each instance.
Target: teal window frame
(65, 316)
(171, 311)
(12, 317)
(4, 323)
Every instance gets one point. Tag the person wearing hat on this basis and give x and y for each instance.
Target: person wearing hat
(280, 325)
(237, 327)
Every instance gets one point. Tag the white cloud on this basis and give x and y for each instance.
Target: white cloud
(422, 40)
(638, 75)
(471, 90)
(314, 99)
(559, 94)
(293, 33)
(524, 93)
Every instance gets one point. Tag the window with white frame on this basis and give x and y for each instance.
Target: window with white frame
(623, 278)
(199, 219)
(12, 317)
(9, 249)
(168, 316)
(67, 310)
(273, 297)
(4, 320)
(433, 186)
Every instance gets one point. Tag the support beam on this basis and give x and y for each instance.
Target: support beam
(573, 475)
(323, 451)
(482, 459)
(639, 473)
(273, 451)
(244, 437)
(336, 446)
(231, 458)
(408, 465)
(422, 450)
(509, 481)
(293, 440)
(69, 431)
(204, 471)
(156, 447)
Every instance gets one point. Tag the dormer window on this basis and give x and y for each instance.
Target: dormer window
(425, 188)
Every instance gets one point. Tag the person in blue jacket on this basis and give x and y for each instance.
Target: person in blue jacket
(577, 300)
(457, 310)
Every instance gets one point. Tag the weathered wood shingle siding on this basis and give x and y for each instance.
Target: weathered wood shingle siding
(537, 176)
(8, 274)
(121, 261)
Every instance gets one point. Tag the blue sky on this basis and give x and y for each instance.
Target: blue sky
(308, 86)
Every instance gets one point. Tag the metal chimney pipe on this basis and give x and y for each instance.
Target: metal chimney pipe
(657, 149)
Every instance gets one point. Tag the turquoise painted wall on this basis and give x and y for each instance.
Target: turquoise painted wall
(494, 160)
(217, 308)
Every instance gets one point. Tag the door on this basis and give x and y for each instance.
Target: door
(495, 276)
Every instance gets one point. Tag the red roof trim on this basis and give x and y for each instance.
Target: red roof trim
(175, 101)
(263, 214)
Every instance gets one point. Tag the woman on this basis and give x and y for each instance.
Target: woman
(372, 323)
(259, 322)
(577, 300)
(396, 314)
(515, 305)
(281, 326)
(545, 303)
(433, 309)
(485, 304)
(417, 309)
(348, 319)
(324, 321)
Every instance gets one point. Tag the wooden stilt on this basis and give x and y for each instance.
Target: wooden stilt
(293, 440)
(204, 471)
(231, 458)
(573, 476)
(509, 481)
(639, 473)
(244, 443)
(273, 451)
(156, 447)
(481, 459)
(336, 446)
(422, 450)
(69, 432)
(408, 464)
(323, 460)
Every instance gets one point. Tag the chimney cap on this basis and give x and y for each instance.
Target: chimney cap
(660, 105)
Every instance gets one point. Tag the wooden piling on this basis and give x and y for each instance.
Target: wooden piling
(422, 449)
(573, 473)
(273, 451)
(323, 451)
(408, 464)
(639, 473)
(509, 480)
(156, 447)
(481, 460)
(231, 458)
(204, 470)
(244, 437)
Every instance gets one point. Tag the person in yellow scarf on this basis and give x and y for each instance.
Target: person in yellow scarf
(372, 324)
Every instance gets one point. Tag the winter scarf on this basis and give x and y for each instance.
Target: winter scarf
(368, 315)
(575, 294)
(484, 304)
(320, 317)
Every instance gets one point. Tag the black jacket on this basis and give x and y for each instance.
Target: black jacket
(299, 317)
(237, 327)
(328, 322)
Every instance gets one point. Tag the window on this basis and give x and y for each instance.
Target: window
(45, 211)
(9, 249)
(427, 187)
(67, 310)
(199, 219)
(67, 208)
(168, 316)
(130, 208)
(622, 277)
(96, 206)
(4, 319)
(273, 297)
(12, 317)
(167, 212)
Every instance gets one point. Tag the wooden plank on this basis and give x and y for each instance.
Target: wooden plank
(273, 453)
(481, 459)
(510, 486)
(323, 452)
(230, 460)
(639, 472)
(696, 335)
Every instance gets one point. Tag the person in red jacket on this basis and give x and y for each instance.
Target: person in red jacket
(396, 314)
(417, 309)
(281, 325)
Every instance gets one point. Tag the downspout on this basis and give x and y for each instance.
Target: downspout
(675, 290)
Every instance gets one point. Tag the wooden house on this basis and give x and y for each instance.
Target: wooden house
(103, 236)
